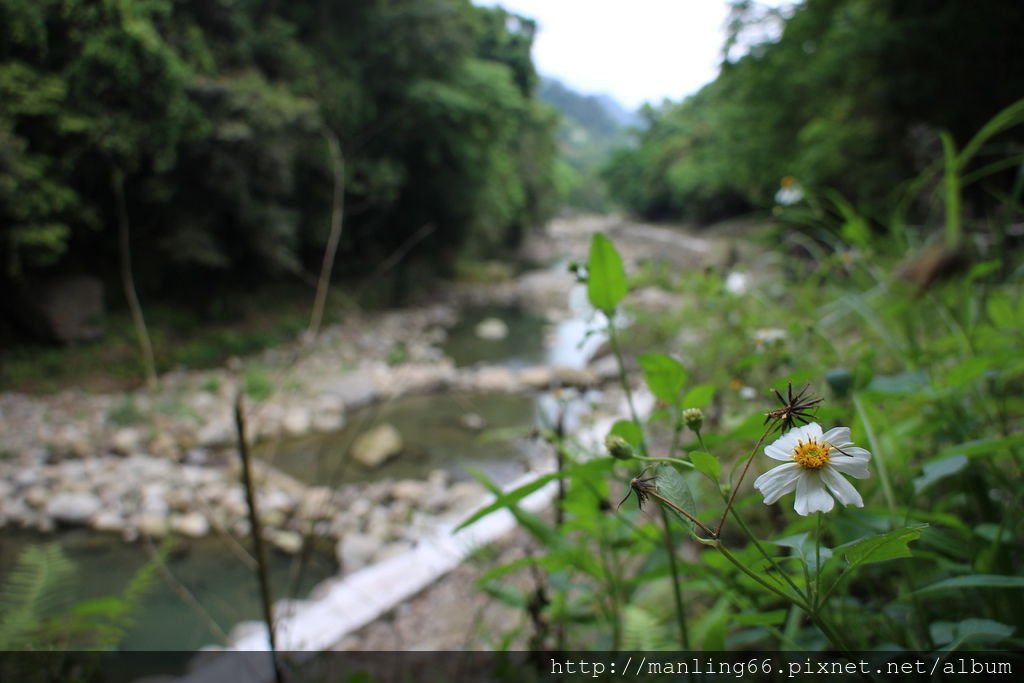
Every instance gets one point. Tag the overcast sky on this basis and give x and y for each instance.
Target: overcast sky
(635, 50)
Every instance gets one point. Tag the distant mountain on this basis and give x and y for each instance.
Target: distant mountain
(623, 116)
(601, 114)
(592, 127)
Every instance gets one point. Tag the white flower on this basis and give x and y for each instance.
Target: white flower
(814, 465)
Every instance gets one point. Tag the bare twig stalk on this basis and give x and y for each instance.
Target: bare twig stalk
(331, 249)
(128, 281)
(743, 474)
(256, 531)
(185, 594)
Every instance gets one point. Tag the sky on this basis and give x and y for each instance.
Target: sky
(634, 50)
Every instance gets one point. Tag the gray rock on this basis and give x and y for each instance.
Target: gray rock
(491, 329)
(287, 541)
(377, 445)
(73, 508)
(220, 431)
(297, 421)
(127, 441)
(192, 524)
(473, 422)
(356, 550)
(355, 390)
(65, 310)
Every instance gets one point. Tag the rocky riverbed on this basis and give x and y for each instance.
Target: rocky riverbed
(165, 462)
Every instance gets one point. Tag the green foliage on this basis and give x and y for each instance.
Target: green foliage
(849, 95)
(606, 278)
(215, 116)
(34, 589)
(258, 385)
(927, 376)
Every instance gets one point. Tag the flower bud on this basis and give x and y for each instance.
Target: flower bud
(618, 447)
(693, 418)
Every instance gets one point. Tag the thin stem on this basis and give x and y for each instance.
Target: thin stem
(796, 600)
(677, 591)
(684, 513)
(879, 460)
(816, 600)
(257, 536)
(337, 216)
(743, 474)
(673, 461)
(764, 553)
(613, 339)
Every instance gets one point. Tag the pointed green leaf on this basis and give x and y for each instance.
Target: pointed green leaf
(606, 278)
(672, 485)
(881, 548)
(953, 634)
(937, 470)
(665, 376)
(707, 464)
(699, 397)
(974, 581)
(630, 431)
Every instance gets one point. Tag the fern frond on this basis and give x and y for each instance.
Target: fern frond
(35, 588)
(641, 630)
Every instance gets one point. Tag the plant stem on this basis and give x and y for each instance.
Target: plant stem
(331, 248)
(743, 474)
(257, 536)
(128, 282)
(816, 599)
(883, 471)
(764, 553)
(677, 591)
(672, 461)
(613, 339)
(796, 600)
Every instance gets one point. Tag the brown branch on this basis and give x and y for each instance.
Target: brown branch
(256, 532)
(331, 249)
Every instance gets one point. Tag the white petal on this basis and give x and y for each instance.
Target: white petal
(854, 453)
(776, 453)
(856, 468)
(811, 430)
(787, 442)
(852, 461)
(843, 490)
(811, 495)
(838, 436)
(777, 482)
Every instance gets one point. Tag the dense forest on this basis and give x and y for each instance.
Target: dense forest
(219, 131)
(851, 97)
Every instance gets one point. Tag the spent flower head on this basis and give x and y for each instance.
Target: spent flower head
(814, 465)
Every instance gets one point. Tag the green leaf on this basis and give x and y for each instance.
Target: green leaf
(881, 548)
(992, 446)
(606, 278)
(699, 397)
(771, 618)
(665, 376)
(630, 431)
(707, 464)
(953, 634)
(974, 581)
(672, 485)
(937, 470)
(805, 551)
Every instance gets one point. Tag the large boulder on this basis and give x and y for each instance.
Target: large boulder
(66, 310)
(73, 507)
(377, 445)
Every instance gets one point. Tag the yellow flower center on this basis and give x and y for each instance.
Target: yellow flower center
(811, 455)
